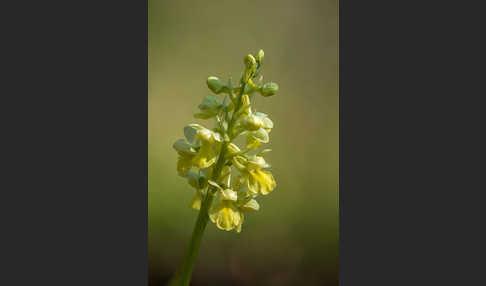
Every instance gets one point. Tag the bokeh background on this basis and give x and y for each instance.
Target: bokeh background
(293, 239)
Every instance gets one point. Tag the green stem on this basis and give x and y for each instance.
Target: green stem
(184, 276)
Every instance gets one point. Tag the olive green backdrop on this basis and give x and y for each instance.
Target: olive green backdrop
(293, 239)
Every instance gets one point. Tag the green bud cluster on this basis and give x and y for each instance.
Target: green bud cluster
(211, 161)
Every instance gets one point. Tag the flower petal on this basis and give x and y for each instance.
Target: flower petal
(183, 147)
(252, 205)
(261, 182)
(184, 164)
(251, 142)
(226, 216)
(228, 195)
(205, 157)
(253, 185)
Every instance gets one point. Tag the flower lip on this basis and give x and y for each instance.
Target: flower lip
(226, 216)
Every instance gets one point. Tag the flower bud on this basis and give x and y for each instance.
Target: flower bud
(269, 89)
(250, 61)
(245, 100)
(215, 84)
(260, 56)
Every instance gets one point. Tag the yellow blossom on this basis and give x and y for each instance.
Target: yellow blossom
(259, 181)
(226, 216)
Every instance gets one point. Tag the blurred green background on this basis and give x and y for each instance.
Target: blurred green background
(293, 239)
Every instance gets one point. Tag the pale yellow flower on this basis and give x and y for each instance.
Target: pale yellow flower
(186, 153)
(257, 136)
(259, 181)
(226, 215)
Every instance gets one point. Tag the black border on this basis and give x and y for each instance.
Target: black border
(76, 162)
(408, 126)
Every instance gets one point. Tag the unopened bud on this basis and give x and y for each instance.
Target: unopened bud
(250, 61)
(269, 89)
(245, 100)
(215, 84)
(260, 56)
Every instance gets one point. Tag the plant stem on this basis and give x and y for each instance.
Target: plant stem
(184, 276)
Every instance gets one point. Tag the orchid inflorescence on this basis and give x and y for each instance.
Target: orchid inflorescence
(211, 161)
